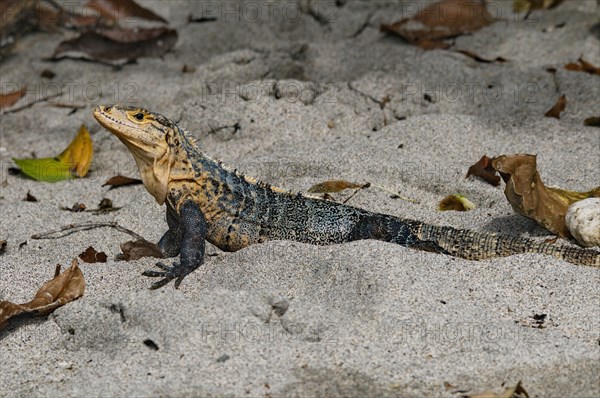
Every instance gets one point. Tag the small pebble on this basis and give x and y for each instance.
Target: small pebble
(583, 221)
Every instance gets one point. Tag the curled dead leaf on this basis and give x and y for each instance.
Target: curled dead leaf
(529, 197)
(60, 290)
(136, 249)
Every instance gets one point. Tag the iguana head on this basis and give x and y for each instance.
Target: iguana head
(147, 136)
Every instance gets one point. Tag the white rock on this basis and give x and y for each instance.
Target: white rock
(583, 221)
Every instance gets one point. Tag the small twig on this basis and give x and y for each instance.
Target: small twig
(72, 228)
(67, 105)
(367, 185)
(395, 193)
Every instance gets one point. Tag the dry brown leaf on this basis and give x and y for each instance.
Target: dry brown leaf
(334, 186)
(512, 392)
(136, 249)
(11, 98)
(583, 66)
(529, 197)
(558, 108)
(455, 202)
(121, 181)
(117, 46)
(60, 290)
(484, 169)
(90, 255)
(593, 121)
(116, 10)
(442, 20)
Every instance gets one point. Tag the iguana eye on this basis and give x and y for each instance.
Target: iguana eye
(139, 116)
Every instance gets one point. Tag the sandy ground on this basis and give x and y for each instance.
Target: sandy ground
(295, 101)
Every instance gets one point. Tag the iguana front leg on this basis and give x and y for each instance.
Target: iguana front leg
(193, 227)
(170, 243)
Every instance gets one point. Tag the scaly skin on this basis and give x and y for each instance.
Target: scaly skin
(207, 201)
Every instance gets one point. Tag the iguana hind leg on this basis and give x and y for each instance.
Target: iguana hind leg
(191, 254)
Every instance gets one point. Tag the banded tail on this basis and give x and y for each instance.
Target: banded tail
(463, 243)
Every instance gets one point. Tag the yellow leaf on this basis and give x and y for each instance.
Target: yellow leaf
(75, 159)
(78, 154)
(455, 202)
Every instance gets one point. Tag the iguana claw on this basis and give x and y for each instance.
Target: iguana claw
(168, 273)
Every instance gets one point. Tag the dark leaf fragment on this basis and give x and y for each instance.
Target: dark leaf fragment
(188, 69)
(121, 181)
(48, 74)
(193, 19)
(484, 169)
(593, 121)
(90, 255)
(558, 108)
(30, 197)
(2, 246)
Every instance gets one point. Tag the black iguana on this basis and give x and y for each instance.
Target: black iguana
(208, 201)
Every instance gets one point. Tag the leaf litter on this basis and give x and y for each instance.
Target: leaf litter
(62, 289)
(529, 197)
